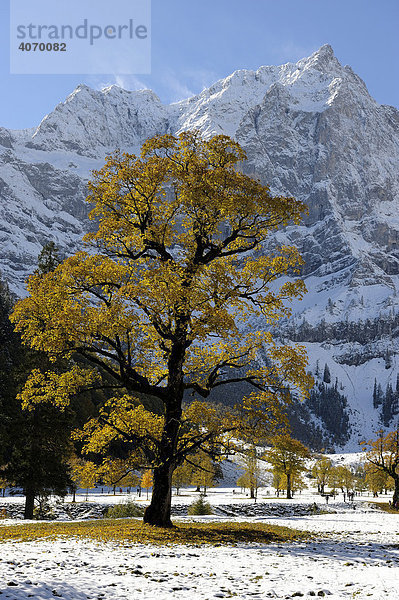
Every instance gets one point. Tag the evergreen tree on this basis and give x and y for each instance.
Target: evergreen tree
(38, 457)
(327, 403)
(48, 258)
(375, 395)
(380, 393)
(389, 405)
(9, 357)
(317, 371)
(326, 374)
(33, 443)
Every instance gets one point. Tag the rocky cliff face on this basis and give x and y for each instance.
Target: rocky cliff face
(310, 130)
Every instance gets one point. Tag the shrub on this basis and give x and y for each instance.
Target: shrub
(200, 507)
(123, 510)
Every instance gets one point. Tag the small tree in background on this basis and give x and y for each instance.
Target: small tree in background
(383, 454)
(279, 481)
(288, 456)
(321, 471)
(200, 507)
(203, 471)
(251, 478)
(182, 476)
(147, 480)
(377, 481)
(84, 474)
(342, 477)
(359, 477)
(4, 484)
(120, 472)
(298, 482)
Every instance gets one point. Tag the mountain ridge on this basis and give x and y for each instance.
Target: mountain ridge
(310, 130)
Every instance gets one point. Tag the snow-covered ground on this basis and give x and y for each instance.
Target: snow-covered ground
(355, 555)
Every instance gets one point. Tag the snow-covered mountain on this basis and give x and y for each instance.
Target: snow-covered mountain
(310, 130)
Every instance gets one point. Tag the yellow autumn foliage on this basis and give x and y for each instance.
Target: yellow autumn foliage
(163, 298)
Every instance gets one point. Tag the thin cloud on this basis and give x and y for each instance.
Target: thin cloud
(188, 84)
(176, 88)
(291, 52)
(130, 82)
(127, 82)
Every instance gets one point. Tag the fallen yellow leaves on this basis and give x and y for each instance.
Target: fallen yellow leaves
(385, 507)
(131, 531)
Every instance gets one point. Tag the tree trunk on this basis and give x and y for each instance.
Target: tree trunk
(289, 495)
(158, 512)
(395, 499)
(29, 502)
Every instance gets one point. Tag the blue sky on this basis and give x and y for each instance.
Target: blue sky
(196, 42)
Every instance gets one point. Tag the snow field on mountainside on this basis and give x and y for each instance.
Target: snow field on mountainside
(311, 130)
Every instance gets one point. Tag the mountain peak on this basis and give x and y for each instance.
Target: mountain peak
(325, 50)
(311, 132)
(323, 60)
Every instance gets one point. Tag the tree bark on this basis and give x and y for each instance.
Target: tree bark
(289, 494)
(158, 512)
(395, 499)
(29, 502)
